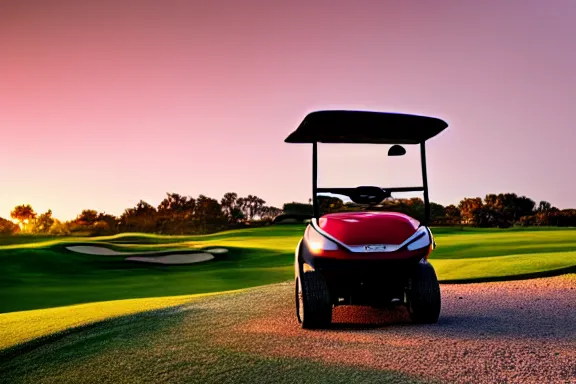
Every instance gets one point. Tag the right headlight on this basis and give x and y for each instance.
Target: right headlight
(422, 239)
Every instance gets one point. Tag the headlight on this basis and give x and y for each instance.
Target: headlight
(318, 243)
(422, 239)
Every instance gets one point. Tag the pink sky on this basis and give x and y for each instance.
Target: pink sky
(105, 104)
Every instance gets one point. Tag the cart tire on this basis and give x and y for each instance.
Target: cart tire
(424, 300)
(313, 305)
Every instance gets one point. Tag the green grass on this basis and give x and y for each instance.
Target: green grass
(41, 273)
(167, 345)
(75, 317)
(20, 327)
(44, 278)
(504, 267)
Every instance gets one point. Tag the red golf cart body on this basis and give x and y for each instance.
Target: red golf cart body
(368, 257)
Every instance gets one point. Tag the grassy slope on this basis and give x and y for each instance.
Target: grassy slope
(172, 345)
(43, 274)
(46, 278)
(178, 344)
(19, 327)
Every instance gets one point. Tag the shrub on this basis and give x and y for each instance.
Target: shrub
(7, 227)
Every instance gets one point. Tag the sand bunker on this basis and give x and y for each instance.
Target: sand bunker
(174, 259)
(216, 251)
(167, 257)
(103, 251)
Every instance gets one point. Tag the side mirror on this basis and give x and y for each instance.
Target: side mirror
(396, 150)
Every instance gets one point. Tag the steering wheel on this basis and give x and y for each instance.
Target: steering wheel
(369, 195)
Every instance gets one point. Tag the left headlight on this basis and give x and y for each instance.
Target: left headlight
(318, 243)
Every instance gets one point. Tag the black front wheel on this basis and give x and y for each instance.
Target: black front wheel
(313, 305)
(424, 301)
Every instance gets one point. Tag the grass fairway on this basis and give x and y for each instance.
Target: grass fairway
(20, 327)
(78, 317)
(171, 345)
(252, 337)
(42, 273)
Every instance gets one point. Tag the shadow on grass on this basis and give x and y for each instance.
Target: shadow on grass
(168, 345)
(108, 327)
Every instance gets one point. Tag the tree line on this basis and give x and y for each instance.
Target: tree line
(182, 215)
(176, 215)
(501, 210)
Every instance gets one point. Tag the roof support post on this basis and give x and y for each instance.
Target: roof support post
(315, 180)
(425, 183)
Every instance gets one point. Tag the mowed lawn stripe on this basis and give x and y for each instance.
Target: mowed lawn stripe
(19, 327)
(502, 266)
(35, 277)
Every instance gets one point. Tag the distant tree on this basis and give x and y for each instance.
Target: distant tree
(263, 216)
(180, 214)
(274, 212)
(514, 207)
(175, 214)
(526, 221)
(256, 207)
(242, 204)
(452, 215)
(437, 213)
(298, 208)
(228, 202)
(176, 204)
(24, 214)
(105, 224)
(143, 208)
(100, 228)
(59, 228)
(413, 207)
(250, 206)
(44, 222)
(269, 213)
(545, 214)
(110, 219)
(237, 216)
(525, 207)
(505, 209)
(87, 217)
(472, 210)
(232, 207)
(7, 227)
(564, 218)
(90, 222)
(208, 215)
(544, 207)
(141, 218)
(492, 211)
(330, 204)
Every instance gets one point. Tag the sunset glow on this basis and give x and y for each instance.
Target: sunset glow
(105, 103)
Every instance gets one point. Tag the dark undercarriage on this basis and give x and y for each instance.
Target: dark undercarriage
(378, 283)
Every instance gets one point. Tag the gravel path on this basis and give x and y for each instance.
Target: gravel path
(506, 332)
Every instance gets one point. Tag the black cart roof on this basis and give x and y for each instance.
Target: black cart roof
(364, 127)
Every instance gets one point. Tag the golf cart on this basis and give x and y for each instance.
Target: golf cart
(368, 257)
